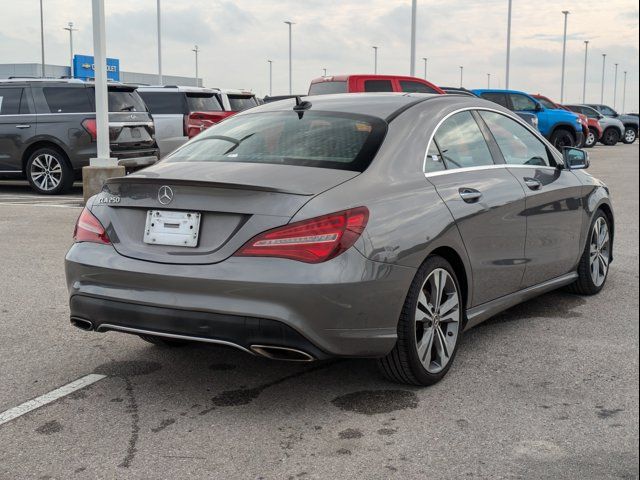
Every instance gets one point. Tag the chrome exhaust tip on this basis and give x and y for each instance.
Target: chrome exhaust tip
(281, 353)
(82, 324)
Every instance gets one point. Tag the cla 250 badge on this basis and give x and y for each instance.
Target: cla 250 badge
(107, 199)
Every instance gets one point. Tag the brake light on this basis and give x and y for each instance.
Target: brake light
(89, 229)
(311, 241)
(185, 125)
(89, 124)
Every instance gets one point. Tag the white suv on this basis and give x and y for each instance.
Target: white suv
(237, 100)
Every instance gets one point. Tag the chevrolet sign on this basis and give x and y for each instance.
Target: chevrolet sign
(84, 68)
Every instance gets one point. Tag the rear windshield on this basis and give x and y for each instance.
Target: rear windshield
(203, 102)
(326, 88)
(125, 101)
(242, 102)
(312, 139)
(164, 103)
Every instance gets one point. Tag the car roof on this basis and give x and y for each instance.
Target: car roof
(495, 90)
(178, 88)
(233, 91)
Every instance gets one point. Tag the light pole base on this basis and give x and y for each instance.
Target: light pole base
(93, 178)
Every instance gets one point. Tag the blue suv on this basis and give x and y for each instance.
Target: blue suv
(560, 127)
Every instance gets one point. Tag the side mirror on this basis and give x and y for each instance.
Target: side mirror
(575, 158)
(538, 107)
(600, 116)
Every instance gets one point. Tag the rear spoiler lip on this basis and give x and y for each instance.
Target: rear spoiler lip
(132, 179)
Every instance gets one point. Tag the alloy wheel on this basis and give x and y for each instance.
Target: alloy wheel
(46, 172)
(599, 251)
(591, 139)
(630, 135)
(437, 320)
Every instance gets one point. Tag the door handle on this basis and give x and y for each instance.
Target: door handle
(23, 126)
(532, 183)
(470, 195)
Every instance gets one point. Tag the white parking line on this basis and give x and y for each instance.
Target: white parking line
(47, 398)
(40, 205)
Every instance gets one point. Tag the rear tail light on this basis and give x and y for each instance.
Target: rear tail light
(311, 241)
(185, 125)
(89, 229)
(89, 124)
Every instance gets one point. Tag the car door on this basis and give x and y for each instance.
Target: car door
(486, 201)
(169, 112)
(553, 200)
(17, 126)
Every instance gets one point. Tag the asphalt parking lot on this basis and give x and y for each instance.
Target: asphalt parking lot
(548, 389)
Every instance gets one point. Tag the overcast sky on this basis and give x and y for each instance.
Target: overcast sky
(237, 37)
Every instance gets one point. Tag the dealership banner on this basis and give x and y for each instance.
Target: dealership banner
(84, 67)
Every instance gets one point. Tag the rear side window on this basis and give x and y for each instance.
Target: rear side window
(521, 103)
(415, 87)
(518, 145)
(242, 102)
(326, 88)
(378, 86)
(462, 143)
(315, 139)
(433, 162)
(198, 102)
(68, 99)
(499, 98)
(163, 103)
(13, 101)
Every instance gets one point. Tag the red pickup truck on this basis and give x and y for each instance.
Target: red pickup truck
(371, 83)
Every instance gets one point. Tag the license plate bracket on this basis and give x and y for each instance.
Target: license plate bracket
(173, 228)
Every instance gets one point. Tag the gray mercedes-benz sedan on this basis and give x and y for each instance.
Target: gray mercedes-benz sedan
(354, 225)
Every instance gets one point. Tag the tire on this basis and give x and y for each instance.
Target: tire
(417, 327)
(611, 136)
(588, 282)
(48, 172)
(163, 341)
(592, 138)
(562, 138)
(630, 134)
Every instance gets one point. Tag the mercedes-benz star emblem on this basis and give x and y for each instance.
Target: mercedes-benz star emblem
(165, 195)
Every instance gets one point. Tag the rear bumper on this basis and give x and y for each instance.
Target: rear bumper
(348, 306)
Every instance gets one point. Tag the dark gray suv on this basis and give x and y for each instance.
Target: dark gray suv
(48, 130)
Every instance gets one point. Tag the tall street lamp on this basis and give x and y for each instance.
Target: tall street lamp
(604, 60)
(290, 66)
(615, 86)
(488, 80)
(196, 50)
(324, 72)
(159, 44)
(564, 54)
(412, 63)
(70, 29)
(375, 59)
(624, 91)
(584, 76)
(425, 60)
(270, 77)
(461, 73)
(508, 45)
(42, 37)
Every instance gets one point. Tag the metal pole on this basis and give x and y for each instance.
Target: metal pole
(604, 59)
(624, 92)
(42, 37)
(461, 73)
(375, 59)
(488, 80)
(425, 67)
(196, 50)
(615, 86)
(70, 29)
(584, 77)
(290, 61)
(270, 77)
(414, 9)
(160, 81)
(564, 54)
(324, 72)
(102, 109)
(508, 46)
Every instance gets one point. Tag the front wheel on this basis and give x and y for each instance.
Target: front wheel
(562, 138)
(429, 328)
(630, 135)
(48, 172)
(592, 138)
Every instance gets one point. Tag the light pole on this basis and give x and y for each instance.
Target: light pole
(624, 92)
(375, 59)
(159, 44)
(584, 76)
(412, 63)
(290, 67)
(461, 73)
(564, 54)
(425, 59)
(488, 80)
(70, 29)
(270, 77)
(508, 46)
(42, 37)
(604, 60)
(196, 50)
(324, 72)
(615, 86)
